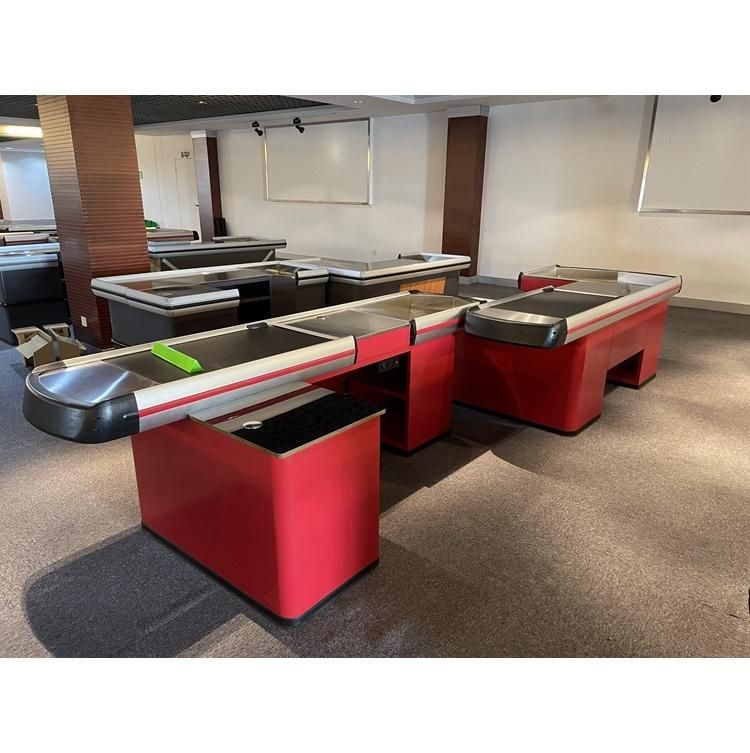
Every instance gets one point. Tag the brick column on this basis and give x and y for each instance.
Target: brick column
(207, 182)
(464, 181)
(93, 172)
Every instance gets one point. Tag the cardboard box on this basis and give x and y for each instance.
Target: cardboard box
(51, 343)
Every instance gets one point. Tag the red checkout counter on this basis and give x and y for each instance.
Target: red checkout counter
(256, 447)
(545, 355)
(289, 512)
(263, 463)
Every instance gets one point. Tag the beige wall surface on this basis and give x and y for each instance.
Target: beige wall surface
(561, 187)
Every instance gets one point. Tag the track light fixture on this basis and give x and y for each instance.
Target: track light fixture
(297, 123)
(256, 128)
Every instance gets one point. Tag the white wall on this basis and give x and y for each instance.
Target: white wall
(168, 180)
(168, 183)
(561, 184)
(407, 199)
(24, 186)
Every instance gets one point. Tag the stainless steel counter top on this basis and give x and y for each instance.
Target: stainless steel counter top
(405, 265)
(552, 316)
(191, 287)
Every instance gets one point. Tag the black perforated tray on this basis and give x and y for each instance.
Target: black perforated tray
(300, 426)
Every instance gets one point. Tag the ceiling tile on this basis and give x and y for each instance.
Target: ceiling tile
(149, 109)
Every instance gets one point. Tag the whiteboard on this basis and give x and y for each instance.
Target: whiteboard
(329, 163)
(698, 159)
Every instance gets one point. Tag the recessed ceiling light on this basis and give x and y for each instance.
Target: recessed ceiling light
(202, 102)
(357, 101)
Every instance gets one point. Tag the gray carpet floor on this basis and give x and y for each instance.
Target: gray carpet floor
(630, 539)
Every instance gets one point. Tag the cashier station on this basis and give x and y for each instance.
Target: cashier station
(256, 447)
(250, 456)
(20, 239)
(191, 254)
(42, 231)
(24, 232)
(545, 355)
(170, 254)
(27, 226)
(356, 280)
(32, 289)
(148, 307)
(161, 305)
(169, 235)
(349, 280)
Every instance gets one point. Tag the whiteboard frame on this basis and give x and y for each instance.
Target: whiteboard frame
(655, 210)
(366, 203)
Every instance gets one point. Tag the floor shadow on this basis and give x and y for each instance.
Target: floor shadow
(134, 596)
(472, 433)
(130, 596)
(409, 606)
(483, 428)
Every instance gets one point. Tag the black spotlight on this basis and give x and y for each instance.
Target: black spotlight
(297, 123)
(715, 98)
(256, 127)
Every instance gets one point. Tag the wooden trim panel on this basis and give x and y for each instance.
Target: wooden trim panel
(464, 181)
(96, 193)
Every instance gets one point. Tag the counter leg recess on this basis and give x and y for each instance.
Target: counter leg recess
(636, 346)
(560, 388)
(288, 531)
(417, 394)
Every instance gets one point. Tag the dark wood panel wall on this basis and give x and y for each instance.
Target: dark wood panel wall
(464, 180)
(96, 193)
(207, 182)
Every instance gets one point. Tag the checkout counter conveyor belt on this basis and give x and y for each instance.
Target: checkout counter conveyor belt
(554, 303)
(219, 352)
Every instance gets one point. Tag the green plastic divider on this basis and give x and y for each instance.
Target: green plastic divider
(176, 358)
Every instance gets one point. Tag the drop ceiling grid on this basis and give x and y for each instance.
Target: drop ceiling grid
(150, 109)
